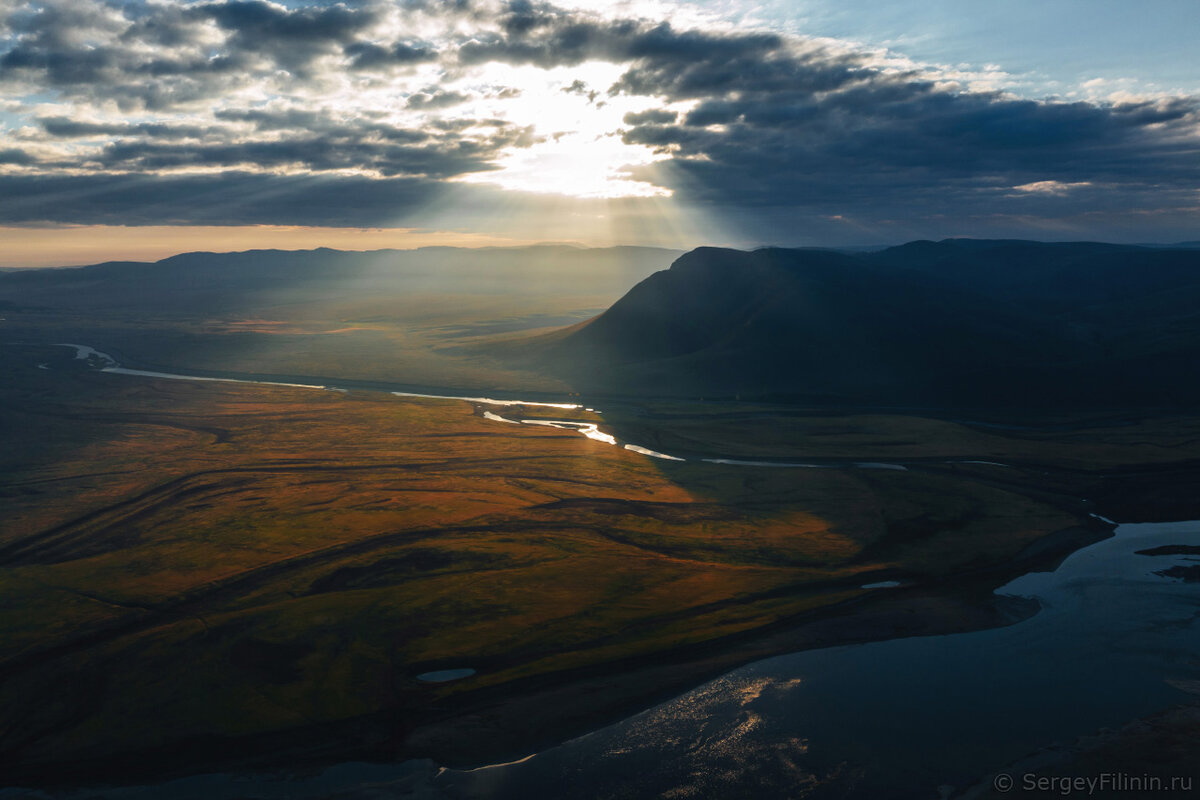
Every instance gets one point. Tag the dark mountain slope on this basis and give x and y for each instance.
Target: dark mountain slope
(954, 323)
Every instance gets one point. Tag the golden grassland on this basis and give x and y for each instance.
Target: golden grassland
(183, 560)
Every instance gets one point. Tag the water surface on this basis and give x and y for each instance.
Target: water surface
(912, 717)
(905, 717)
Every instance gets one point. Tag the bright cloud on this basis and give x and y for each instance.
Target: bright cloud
(1056, 188)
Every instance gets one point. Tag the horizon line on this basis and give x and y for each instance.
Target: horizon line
(849, 248)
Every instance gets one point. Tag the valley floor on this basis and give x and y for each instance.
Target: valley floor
(197, 574)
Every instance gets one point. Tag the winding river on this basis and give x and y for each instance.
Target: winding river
(106, 363)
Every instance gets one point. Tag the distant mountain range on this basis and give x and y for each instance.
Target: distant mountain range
(956, 323)
(216, 282)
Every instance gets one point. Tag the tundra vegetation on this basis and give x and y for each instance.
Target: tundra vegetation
(213, 573)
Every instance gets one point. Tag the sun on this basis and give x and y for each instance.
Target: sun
(577, 150)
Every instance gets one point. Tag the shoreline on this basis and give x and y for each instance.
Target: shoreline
(491, 726)
(591, 698)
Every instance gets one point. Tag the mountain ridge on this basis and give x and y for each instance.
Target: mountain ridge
(951, 323)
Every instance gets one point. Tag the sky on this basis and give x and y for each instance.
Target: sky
(134, 129)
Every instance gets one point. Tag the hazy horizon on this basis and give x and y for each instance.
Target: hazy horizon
(161, 252)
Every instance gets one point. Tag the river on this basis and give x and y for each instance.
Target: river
(106, 363)
(898, 718)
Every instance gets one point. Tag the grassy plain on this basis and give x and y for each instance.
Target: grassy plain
(202, 567)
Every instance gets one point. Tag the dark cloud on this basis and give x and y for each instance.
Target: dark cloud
(269, 23)
(305, 122)
(546, 36)
(13, 155)
(462, 124)
(800, 127)
(886, 141)
(169, 27)
(158, 57)
(66, 128)
(231, 198)
(293, 38)
(368, 55)
(693, 65)
(161, 56)
(315, 141)
(136, 55)
(460, 156)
